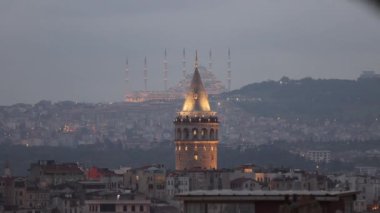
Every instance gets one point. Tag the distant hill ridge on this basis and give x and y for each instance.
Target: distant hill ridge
(311, 98)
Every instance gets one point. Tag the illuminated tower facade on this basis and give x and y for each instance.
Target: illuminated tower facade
(196, 129)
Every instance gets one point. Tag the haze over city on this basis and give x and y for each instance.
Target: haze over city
(76, 50)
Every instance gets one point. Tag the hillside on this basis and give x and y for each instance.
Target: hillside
(311, 98)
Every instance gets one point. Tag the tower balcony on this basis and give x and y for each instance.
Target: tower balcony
(189, 119)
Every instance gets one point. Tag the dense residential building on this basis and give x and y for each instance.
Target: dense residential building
(117, 205)
(48, 172)
(176, 183)
(112, 180)
(267, 201)
(149, 180)
(245, 184)
(369, 191)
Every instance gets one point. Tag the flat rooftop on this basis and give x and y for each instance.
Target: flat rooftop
(261, 194)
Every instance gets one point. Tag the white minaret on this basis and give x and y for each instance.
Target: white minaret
(145, 75)
(126, 74)
(210, 61)
(126, 79)
(184, 63)
(165, 71)
(229, 70)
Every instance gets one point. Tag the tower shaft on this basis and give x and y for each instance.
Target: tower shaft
(196, 129)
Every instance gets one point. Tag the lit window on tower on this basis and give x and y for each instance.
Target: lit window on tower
(195, 156)
(185, 148)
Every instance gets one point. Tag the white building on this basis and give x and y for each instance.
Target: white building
(176, 184)
(319, 156)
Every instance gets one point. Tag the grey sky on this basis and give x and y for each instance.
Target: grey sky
(76, 50)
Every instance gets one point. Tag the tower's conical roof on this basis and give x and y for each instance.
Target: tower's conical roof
(196, 98)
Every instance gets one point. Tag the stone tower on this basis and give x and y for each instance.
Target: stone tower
(196, 129)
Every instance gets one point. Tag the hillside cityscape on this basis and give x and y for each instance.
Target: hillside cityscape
(189, 106)
(330, 146)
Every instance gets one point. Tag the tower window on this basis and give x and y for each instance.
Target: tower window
(195, 133)
(212, 134)
(186, 133)
(179, 134)
(204, 133)
(195, 96)
(185, 148)
(196, 155)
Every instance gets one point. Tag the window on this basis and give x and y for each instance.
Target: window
(133, 208)
(204, 133)
(107, 207)
(186, 133)
(141, 208)
(212, 134)
(179, 134)
(195, 133)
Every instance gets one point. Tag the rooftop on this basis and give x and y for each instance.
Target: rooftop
(261, 194)
(196, 98)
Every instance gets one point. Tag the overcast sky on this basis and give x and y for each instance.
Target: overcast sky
(76, 50)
